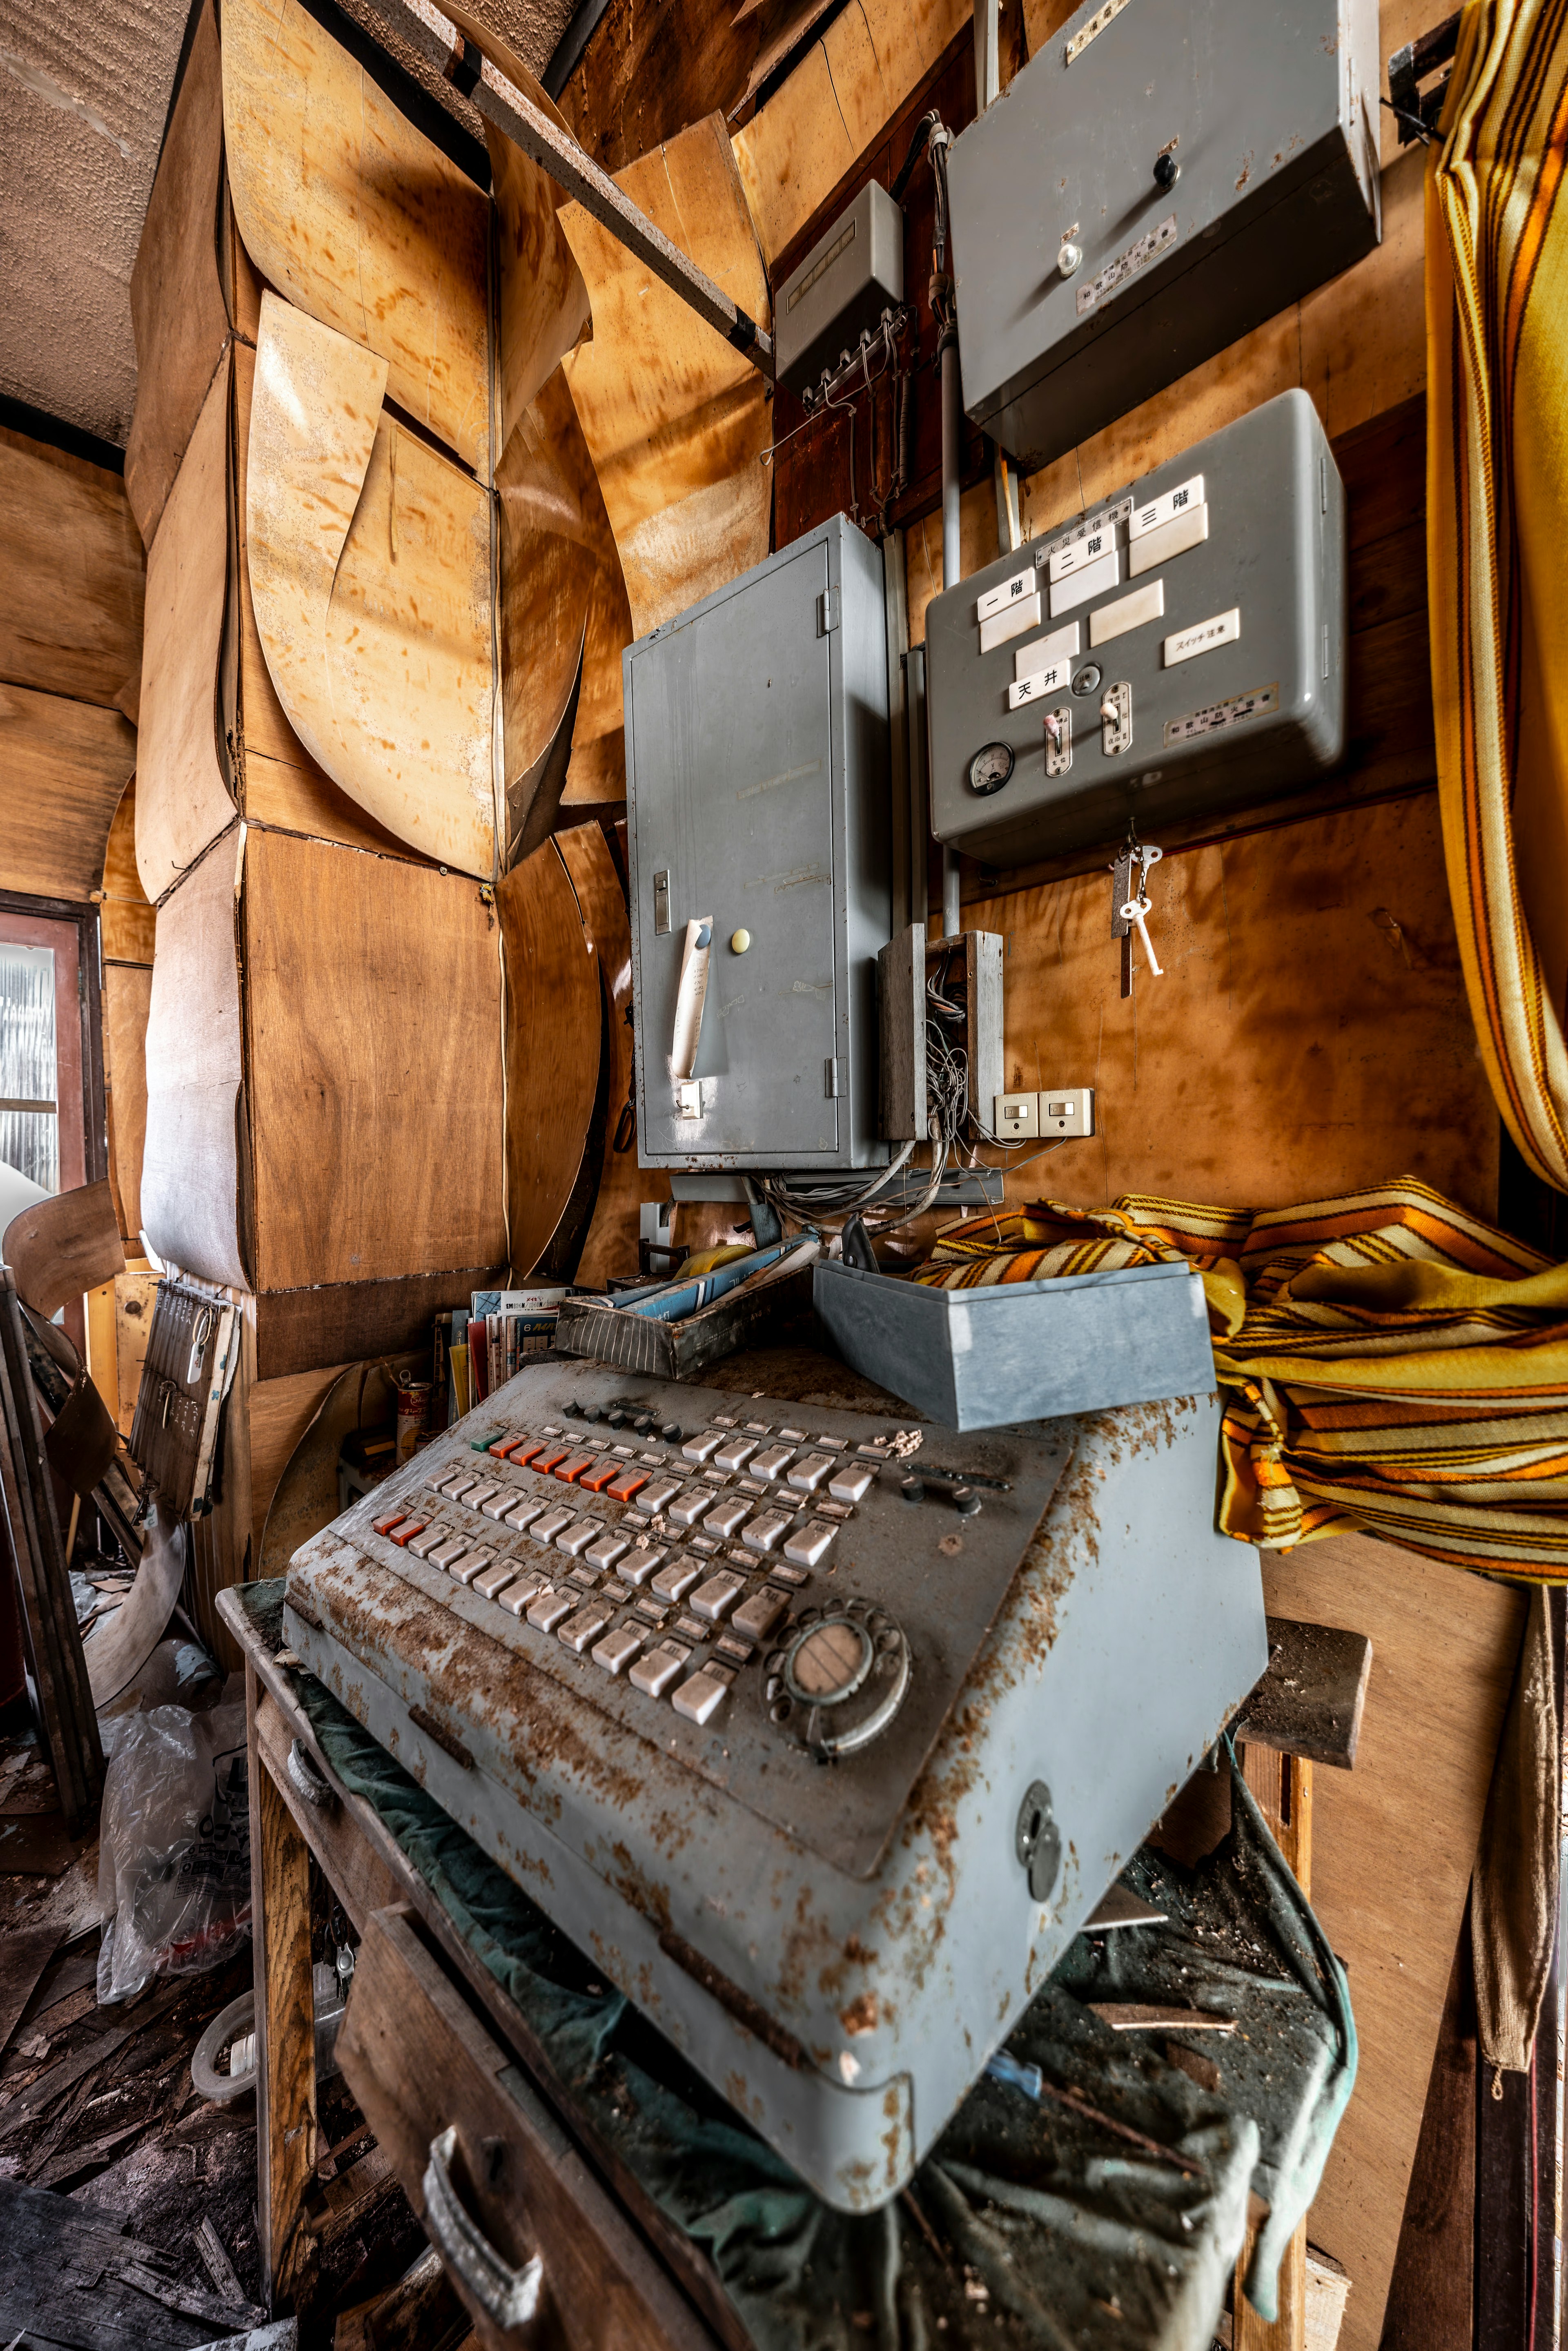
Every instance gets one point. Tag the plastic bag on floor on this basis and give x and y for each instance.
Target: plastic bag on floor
(173, 1867)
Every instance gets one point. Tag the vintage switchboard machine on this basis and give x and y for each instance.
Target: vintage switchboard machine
(824, 1732)
(1159, 179)
(758, 806)
(1161, 657)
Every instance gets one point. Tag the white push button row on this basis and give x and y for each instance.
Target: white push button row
(726, 1515)
(690, 1507)
(808, 1544)
(607, 1549)
(765, 1530)
(756, 1616)
(1173, 539)
(678, 1578)
(551, 1523)
(735, 1452)
(713, 1599)
(652, 1497)
(495, 1579)
(638, 1565)
(1082, 586)
(423, 1545)
(551, 1607)
(576, 1537)
(771, 1461)
(702, 1447)
(809, 1473)
(523, 1514)
(617, 1649)
(654, 1672)
(700, 1699)
(515, 1597)
(850, 1482)
(584, 1627)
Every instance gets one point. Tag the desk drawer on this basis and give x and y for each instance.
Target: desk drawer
(489, 2170)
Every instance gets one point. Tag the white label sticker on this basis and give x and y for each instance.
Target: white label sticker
(1082, 551)
(1010, 622)
(1229, 713)
(1128, 613)
(1178, 536)
(1222, 630)
(1036, 688)
(1062, 645)
(996, 600)
(1127, 265)
(1045, 550)
(1151, 515)
(1081, 587)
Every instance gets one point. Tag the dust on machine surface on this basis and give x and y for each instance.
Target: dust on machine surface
(824, 1733)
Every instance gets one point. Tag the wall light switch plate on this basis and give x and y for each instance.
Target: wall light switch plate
(1068, 1111)
(1017, 1116)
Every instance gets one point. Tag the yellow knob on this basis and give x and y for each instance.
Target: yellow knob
(739, 941)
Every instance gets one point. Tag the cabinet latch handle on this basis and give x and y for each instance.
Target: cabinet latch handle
(511, 2297)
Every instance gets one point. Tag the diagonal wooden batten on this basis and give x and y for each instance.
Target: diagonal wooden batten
(519, 120)
(369, 574)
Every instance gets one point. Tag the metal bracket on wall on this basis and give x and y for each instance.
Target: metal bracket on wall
(1416, 114)
(517, 118)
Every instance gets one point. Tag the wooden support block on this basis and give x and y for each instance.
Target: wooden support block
(1309, 1703)
(1283, 1787)
(285, 2022)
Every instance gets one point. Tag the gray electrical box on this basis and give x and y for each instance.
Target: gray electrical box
(1173, 652)
(1161, 177)
(848, 279)
(757, 800)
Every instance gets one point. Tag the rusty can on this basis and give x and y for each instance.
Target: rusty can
(413, 1412)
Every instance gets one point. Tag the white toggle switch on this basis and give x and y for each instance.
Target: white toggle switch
(1016, 1117)
(1070, 1111)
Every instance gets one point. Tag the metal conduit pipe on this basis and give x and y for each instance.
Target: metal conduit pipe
(952, 446)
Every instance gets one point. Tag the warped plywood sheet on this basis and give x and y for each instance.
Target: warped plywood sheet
(192, 1203)
(127, 1000)
(185, 801)
(63, 766)
(60, 1246)
(680, 448)
(70, 616)
(373, 1025)
(795, 150)
(612, 1243)
(126, 919)
(282, 784)
(369, 557)
(544, 309)
(351, 212)
(564, 613)
(553, 1025)
(178, 313)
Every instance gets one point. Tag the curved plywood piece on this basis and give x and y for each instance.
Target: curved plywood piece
(544, 302)
(62, 1245)
(63, 766)
(612, 1243)
(552, 1046)
(70, 616)
(177, 311)
(305, 1499)
(562, 595)
(185, 802)
(680, 449)
(127, 997)
(368, 558)
(352, 214)
(192, 1209)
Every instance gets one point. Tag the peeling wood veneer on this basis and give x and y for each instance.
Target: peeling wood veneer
(680, 449)
(185, 802)
(351, 212)
(369, 557)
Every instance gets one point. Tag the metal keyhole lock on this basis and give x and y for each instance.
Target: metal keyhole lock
(1167, 170)
(1038, 1840)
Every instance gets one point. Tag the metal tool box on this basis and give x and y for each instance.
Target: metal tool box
(758, 806)
(1171, 654)
(823, 1734)
(1161, 178)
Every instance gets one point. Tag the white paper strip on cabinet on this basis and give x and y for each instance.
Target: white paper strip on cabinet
(369, 572)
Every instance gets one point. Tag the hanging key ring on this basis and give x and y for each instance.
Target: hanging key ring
(1133, 911)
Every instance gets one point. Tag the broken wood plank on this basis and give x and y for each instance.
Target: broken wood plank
(25, 1953)
(219, 2268)
(59, 2282)
(1310, 1701)
(189, 2299)
(29, 2104)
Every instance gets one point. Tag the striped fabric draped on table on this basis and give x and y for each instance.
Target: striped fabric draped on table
(1497, 467)
(1389, 1362)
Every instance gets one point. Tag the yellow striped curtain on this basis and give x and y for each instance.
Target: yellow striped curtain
(1389, 1362)
(1497, 321)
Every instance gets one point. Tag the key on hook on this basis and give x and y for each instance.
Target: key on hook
(1133, 911)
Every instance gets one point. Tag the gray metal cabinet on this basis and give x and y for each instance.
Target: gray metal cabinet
(757, 790)
(1207, 162)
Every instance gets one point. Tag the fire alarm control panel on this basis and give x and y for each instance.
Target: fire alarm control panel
(1158, 658)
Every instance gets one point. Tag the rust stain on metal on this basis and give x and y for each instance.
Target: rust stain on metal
(861, 2015)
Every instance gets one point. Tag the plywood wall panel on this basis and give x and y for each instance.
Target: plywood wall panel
(185, 801)
(1310, 1033)
(679, 449)
(178, 313)
(71, 564)
(126, 919)
(192, 1198)
(552, 1046)
(1392, 1846)
(612, 1243)
(127, 1002)
(375, 1058)
(352, 214)
(63, 766)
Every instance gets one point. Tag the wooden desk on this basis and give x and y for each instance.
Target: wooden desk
(432, 2039)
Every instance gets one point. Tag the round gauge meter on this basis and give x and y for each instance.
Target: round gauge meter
(990, 768)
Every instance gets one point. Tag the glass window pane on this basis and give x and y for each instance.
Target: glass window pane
(29, 1116)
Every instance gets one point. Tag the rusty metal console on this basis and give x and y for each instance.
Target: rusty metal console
(823, 1735)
